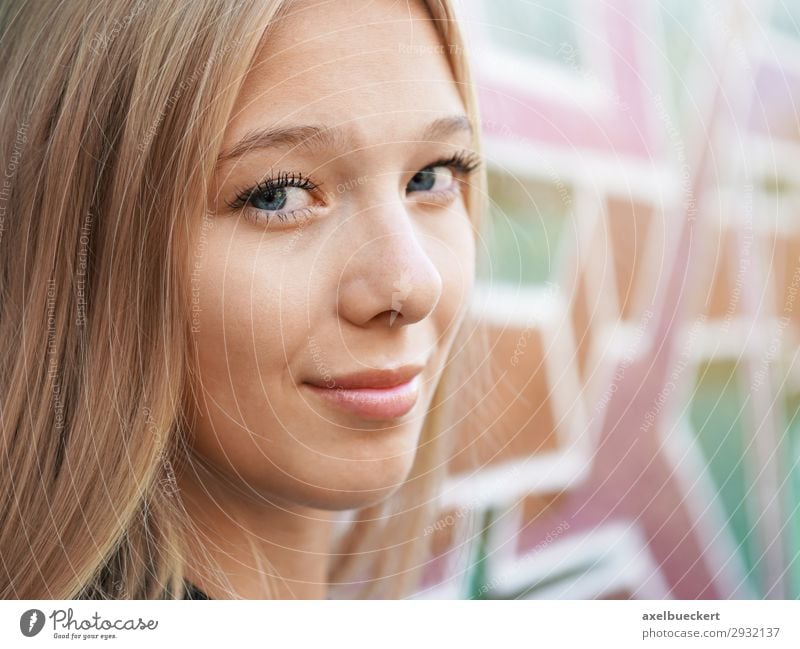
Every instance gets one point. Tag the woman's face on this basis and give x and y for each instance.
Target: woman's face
(337, 259)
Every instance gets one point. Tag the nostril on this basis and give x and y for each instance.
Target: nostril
(391, 275)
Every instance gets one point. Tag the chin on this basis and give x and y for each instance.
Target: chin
(341, 501)
(353, 485)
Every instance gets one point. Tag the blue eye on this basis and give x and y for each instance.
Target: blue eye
(283, 197)
(440, 175)
(431, 178)
(272, 199)
(290, 196)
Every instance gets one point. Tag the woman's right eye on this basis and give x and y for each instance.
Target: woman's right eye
(275, 199)
(285, 197)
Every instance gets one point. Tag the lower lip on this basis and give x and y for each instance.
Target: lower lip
(372, 403)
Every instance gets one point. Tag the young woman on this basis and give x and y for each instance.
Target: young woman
(237, 244)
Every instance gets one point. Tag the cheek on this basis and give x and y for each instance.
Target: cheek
(246, 329)
(237, 336)
(258, 308)
(452, 249)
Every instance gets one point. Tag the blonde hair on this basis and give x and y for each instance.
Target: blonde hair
(112, 117)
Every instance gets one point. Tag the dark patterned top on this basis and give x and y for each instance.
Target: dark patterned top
(193, 592)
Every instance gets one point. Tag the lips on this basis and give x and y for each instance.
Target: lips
(374, 394)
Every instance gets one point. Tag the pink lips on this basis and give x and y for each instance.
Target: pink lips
(376, 395)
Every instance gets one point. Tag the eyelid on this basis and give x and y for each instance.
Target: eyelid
(461, 163)
(257, 216)
(464, 161)
(280, 180)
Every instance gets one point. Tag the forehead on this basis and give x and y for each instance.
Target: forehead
(376, 68)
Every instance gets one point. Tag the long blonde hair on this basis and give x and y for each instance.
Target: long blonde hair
(112, 117)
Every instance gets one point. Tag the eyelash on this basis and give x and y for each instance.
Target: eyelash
(279, 181)
(463, 162)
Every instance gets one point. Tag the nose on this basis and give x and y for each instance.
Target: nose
(388, 276)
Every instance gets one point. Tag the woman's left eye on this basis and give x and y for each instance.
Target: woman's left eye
(444, 175)
(431, 179)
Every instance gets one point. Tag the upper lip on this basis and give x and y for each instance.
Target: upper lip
(386, 378)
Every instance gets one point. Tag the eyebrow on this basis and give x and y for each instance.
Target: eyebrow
(314, 137)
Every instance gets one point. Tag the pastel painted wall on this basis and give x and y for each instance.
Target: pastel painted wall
(640, 280)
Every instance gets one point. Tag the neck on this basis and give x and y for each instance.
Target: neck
(244, 546)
